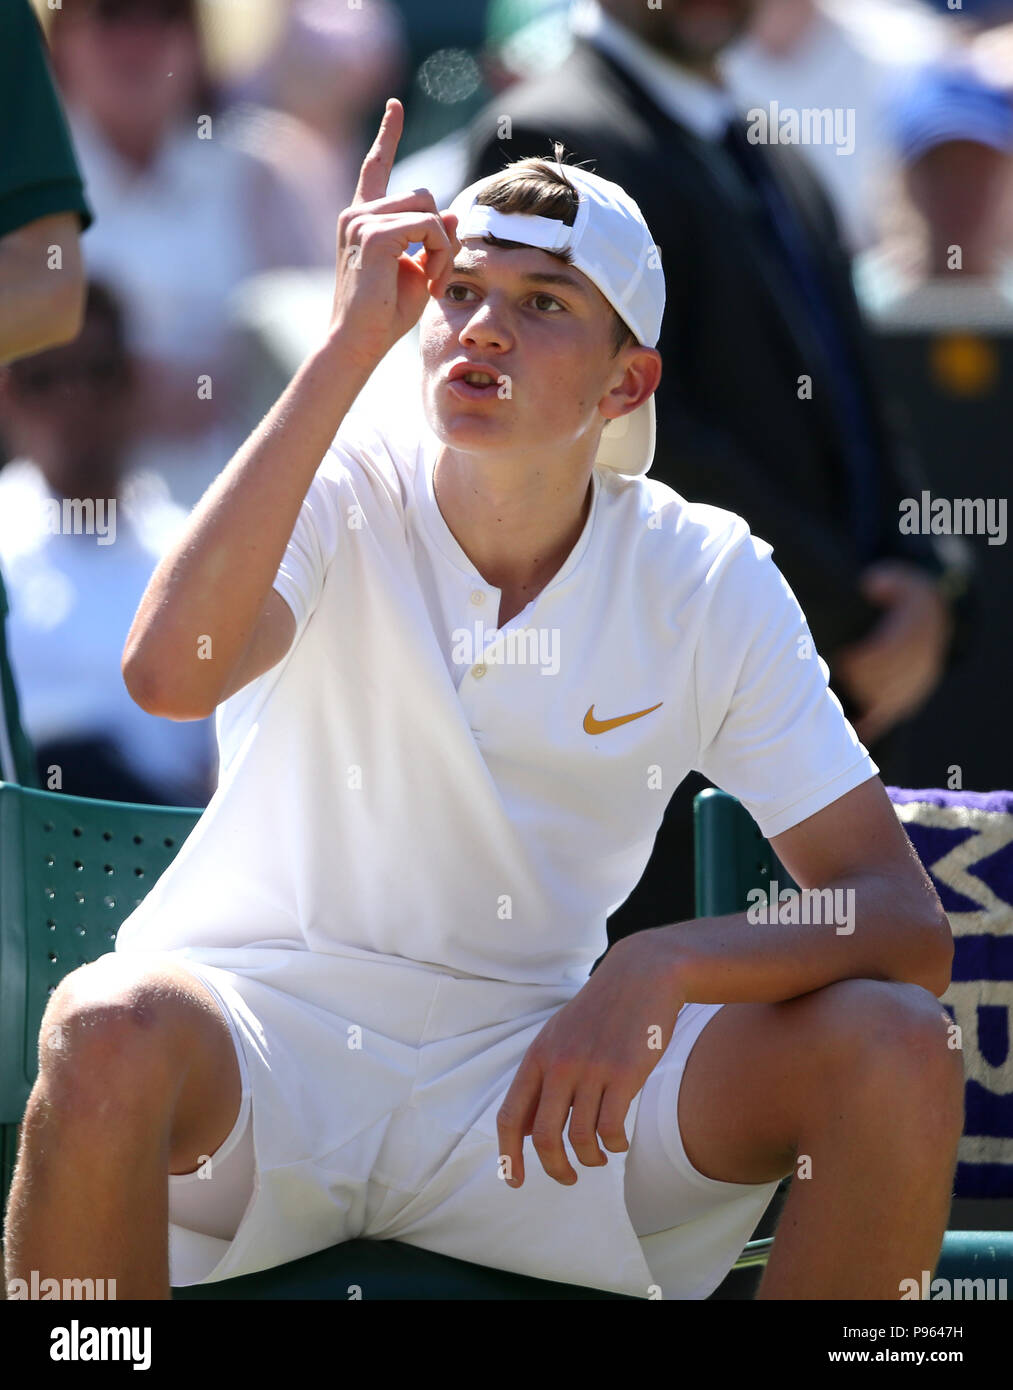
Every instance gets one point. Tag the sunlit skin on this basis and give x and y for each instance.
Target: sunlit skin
(513, 476)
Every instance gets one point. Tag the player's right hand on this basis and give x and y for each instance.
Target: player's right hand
(380, 291)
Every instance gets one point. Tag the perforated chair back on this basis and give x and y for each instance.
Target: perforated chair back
(72, 869)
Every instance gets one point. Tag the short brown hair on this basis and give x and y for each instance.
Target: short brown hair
(532, 186)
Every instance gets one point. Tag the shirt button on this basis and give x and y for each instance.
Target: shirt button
(477, 596)
(478, 671)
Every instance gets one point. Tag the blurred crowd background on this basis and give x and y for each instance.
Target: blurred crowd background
(219, 140)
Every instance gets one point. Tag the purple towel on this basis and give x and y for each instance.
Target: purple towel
(965, 841)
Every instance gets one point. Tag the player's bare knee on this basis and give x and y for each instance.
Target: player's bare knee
(891, 1033)
(109, 1043)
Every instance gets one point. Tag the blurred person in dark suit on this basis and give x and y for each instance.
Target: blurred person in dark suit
(43, 211)
(768, 404)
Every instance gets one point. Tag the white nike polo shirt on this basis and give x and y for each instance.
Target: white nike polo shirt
(409, 782)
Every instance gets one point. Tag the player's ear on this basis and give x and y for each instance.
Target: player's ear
(641, 368)
(645, 363)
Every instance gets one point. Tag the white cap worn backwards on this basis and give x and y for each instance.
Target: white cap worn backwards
(610, 243)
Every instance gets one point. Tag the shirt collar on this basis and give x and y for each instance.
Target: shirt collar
(688, 99)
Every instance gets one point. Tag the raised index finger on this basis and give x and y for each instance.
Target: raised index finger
(375, 172)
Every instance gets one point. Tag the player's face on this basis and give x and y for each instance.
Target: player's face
(546, 342)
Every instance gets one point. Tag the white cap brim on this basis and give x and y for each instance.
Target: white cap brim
(627, 443)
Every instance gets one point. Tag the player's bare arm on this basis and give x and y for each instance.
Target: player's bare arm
(216, 582)
(595, 1054)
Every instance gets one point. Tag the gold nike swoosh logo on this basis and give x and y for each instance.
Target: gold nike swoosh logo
(602, 726)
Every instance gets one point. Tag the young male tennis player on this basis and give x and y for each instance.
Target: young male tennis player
(457, 674)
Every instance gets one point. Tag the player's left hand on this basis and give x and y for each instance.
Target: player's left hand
(592, 1057)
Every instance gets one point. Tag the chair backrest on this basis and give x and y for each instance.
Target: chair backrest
(731, 856)
(72, 869)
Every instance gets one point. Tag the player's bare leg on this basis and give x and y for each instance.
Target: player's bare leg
(859, 1080)
(138, 1078)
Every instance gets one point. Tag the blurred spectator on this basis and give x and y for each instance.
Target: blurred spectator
(769, 404)
(992, 53)
(79, 542)
(43, 210)
(801, 56)
(954, 132)
(180, 217)
(302, 113)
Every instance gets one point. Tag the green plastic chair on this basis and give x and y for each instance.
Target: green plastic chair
(731, 857)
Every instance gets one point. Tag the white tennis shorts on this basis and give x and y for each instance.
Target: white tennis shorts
(369, 1101)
